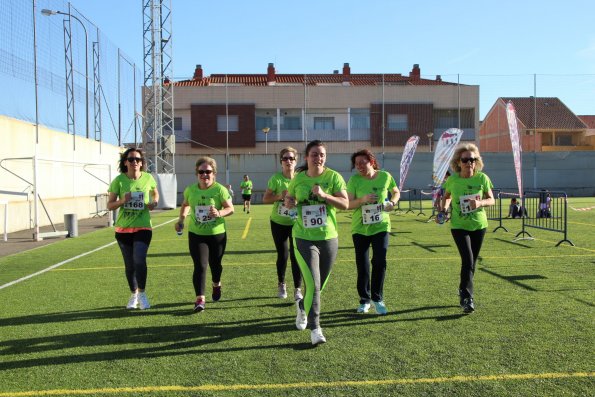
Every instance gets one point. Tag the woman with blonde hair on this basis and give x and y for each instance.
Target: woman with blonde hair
(470, 191)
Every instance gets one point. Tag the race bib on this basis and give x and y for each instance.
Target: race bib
(286, 212)
(372, 213)
(464, 203)
(201, 212)
(314, 215)
(137, 202)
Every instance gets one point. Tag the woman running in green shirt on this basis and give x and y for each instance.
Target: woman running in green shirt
(207, 202)
(134, 193)
(282, 220)
(316, 191)
(369, 192)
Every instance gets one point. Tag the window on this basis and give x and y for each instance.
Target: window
(360, 119)
(178, 123)
(397, 122)
(233, 123)
(324, 123)
(291, 123)
(264, 122)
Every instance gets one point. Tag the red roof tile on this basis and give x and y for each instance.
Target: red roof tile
(552, 113)
(589, 120)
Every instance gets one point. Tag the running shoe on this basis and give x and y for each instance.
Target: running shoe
(468, 305)
(297, 294)
(363, 308)
(316, 336)
(282, 291)
(380, 308)
(216, 293)
(143, 301)
(199, 305)
(133, 301)
(301, 320)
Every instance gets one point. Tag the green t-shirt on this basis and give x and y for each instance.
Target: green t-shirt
(200, 201)
(474, 187)
(280, 214)
(376, 219)
(246, 187)
(316, 220)
(135, 212)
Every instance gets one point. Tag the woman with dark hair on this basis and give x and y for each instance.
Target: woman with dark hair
(208, 202)
(282, 220)
(470, 190)
(134, 193)
(316, 191)
(372, 193)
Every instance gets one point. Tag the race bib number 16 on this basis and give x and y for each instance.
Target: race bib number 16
(314, 216)
(371, 213)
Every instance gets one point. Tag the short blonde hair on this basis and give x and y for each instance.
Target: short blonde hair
(206, 160)
(287, 149)
(466, 147)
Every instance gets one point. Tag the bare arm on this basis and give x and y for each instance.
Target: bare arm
(184, 210)
(270, 197)
(113, 203)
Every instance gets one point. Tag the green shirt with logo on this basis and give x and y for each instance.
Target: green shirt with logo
(133, 214)
(461, 189)
(200, 200)
(278, 183)
(316, 220)
(359, 186)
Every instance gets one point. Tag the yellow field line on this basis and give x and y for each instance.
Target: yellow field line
(300, 385)
(246, 228)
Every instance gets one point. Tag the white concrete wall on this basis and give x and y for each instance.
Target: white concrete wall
(70, 172)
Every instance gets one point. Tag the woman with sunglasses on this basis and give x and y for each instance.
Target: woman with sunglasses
(134, 193)
(282, 220)
(470, 190)
(207, 202)
(316, 191)
(372, 193)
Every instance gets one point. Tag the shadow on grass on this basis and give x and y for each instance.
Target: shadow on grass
(175, 340)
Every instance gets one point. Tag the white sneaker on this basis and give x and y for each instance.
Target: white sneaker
(317, 337)
(301, 320)
(297, 295)
(133, 301)
(282, 293)
(143, 301)
(363, 308)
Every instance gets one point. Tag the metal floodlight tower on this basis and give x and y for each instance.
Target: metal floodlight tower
(158, 130)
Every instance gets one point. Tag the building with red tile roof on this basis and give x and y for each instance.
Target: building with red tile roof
(348, 109)
(544, 124)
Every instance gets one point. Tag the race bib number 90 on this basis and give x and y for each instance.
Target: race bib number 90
(314, 216)
(137, 202)
(372, 213)
(201, 212)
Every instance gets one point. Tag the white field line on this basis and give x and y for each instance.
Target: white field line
(47, 269)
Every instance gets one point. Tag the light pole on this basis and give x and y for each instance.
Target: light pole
(430, 136)
(266, 139)
(48, 13)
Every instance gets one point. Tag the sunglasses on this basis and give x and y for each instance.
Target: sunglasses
(288, 158)
(466, 160)
(133, 159)
(202, 172)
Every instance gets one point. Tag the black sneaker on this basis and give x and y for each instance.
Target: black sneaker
(216, 293)
(468, 305)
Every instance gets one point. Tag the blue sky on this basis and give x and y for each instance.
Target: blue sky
(498, 45)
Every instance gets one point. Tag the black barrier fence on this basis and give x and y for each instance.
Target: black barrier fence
(494, 212)
(546, 210)
(414, 196)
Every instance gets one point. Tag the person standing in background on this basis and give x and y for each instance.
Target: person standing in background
(134, 193)
(246, 188)
(282, 220)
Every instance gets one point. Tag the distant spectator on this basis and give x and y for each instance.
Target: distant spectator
(545, 203)
(515, 209)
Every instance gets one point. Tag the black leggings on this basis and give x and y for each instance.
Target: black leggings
(284, 247)
(134, 247)
(206, 251)
(379, 243)
(469, 243)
